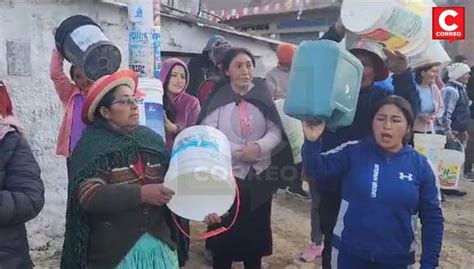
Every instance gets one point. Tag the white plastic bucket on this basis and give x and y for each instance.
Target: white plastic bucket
(427, 43)
(450, 164)
(430, 145)
(429, 140)
(434, 52)
(151, 107)
(401, 24)
(200, 173)
(293, 129)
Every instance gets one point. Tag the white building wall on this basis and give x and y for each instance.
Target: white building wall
(36, 102)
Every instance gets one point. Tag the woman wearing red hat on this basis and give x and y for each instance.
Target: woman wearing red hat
(116, 212)
(278, 77)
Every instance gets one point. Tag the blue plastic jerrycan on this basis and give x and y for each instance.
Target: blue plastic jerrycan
(324, 83)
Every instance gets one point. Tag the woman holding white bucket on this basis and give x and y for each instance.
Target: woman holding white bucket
(431, 104)
(457, 112)
(182, 111)
(181, 108)
(243, 109)
(116, 211)
(382, 193)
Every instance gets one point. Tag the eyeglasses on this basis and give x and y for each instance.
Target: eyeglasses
(129, 100)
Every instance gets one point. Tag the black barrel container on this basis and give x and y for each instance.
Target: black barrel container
(82, 42)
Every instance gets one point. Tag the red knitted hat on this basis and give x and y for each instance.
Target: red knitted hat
(6, 106)
(285, 53)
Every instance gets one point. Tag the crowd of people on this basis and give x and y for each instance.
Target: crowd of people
(364, 210)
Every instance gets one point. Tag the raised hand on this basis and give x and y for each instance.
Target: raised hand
(340, 28)
(397, 61)
(312, 131)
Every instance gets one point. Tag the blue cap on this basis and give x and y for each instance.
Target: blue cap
(213, 40)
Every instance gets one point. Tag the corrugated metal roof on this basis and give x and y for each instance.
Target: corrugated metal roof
(200, 22)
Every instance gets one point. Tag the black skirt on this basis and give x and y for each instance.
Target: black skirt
(251, 236)
(182, 242)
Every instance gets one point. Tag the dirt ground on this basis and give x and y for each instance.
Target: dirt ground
(291, 230)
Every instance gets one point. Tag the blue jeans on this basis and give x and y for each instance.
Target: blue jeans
(316, 233)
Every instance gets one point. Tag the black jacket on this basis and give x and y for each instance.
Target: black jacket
(470, 92)
(21, 199)
(200, 68)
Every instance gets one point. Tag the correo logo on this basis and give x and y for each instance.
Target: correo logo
(448, 23)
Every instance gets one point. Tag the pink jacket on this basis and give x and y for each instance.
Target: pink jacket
(66, 91)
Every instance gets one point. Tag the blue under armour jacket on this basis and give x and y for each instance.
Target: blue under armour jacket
(382, 195)
(403, 85)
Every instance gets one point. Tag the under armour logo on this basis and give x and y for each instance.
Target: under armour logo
(408, 177)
